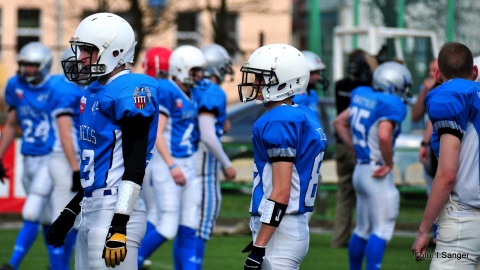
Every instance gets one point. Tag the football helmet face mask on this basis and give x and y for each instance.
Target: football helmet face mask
(155, 62)
(68, 56)
(393, 78)
(37, 54)
(279, 70)
(182, 60)
(315, 64)
(218, 62)
(108, 33)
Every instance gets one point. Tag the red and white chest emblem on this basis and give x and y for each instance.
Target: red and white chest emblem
(19, 93)
(178, 103)
(83, 103)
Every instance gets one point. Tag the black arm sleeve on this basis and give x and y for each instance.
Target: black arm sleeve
(74, 204)
(135, 147)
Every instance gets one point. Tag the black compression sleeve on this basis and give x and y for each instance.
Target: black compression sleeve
(135, 147)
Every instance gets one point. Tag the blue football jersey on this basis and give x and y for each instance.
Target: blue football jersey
(101, 109)
(288, 133)
(211, 98)
(453, 107)
(367, 109)
(309, 99)
(33, 106)
(66, 100)
(182, 114)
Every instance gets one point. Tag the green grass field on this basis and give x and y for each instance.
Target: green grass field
(224, 252)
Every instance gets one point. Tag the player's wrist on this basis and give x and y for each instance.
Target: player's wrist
(424, 143)
(119, 220)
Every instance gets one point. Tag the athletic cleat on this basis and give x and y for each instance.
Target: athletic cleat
(7, 266)
(145, 266)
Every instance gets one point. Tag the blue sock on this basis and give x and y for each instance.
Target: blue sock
(55, 255)
(69, 247)
(150, 243)
(184, 249)
(200, 252)
(150, 227)
(356, 250)
(25, 238)
(374, 252)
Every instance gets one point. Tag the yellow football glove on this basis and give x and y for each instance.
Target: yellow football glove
(115, 249)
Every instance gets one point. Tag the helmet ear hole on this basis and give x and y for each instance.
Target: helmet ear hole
(281, 86)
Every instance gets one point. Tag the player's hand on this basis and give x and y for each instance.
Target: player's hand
(115, 249)
(255, 257)
(423, 154)
(178, 176)
(3, 172)
(420, 246)
(230, 173)
(76, 185)
(58, 230)
(382, 171)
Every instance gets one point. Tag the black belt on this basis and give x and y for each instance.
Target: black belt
(106, 192)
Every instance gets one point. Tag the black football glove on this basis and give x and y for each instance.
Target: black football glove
(58, 230)
(255, 257)
(76, 185)
(115, 249)
(3, 172)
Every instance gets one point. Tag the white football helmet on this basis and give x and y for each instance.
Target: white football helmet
(182, 60)
(393, 78)
(218, 62)
(283, 68)
(314, 61)
(111, 35)
(38, 54)
(315, 64)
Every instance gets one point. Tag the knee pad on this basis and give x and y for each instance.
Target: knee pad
(168, 225)
(33, 207)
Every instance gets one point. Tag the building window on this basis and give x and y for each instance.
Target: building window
(28, 29)
(187, 29)
(230, 42)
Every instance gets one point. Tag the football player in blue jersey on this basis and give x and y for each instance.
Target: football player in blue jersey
(370, 126)
(317, 67)
(32, 98)
(288, 145)
(177, 192)
(155, 65)
(210, 156)
(453, 203)
(118, 125)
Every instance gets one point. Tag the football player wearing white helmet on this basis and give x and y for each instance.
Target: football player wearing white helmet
(370, 126)
(210, 157)
(288, 145)
(118, 124)
(453, 202)
(317, 68)
(33, 96)
(177, 192)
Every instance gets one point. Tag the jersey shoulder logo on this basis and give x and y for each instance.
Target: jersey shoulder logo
(141, 97)
(83, 103)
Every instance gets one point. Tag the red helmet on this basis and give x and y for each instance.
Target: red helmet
(155, 62)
